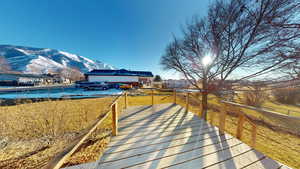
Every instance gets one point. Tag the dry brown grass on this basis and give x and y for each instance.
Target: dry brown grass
(31, 134)
(50, 118)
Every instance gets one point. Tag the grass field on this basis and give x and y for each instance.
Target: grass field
(31, 134)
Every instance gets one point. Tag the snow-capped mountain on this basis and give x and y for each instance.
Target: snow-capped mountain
(44, 60)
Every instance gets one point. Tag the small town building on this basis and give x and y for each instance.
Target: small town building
(174, 83)
(136, 78)
(20, 79)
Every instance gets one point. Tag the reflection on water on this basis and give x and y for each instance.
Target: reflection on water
(59, 93)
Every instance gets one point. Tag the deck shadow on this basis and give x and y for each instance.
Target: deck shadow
(159, 113)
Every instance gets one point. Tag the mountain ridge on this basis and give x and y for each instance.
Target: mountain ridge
(34, 60)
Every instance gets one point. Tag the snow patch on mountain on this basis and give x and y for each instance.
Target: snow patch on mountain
(23, 51)
(43, 65)
(45, 60)
(71, 56)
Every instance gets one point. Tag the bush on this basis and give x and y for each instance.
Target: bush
(289, 95)
(255, 97)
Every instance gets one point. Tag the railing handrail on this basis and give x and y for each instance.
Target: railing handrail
(61, 157)
(242, 118)
(259, 109)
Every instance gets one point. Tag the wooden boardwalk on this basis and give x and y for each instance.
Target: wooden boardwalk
(166, 136)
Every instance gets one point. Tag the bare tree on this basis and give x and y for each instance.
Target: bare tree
(256, 96)
(238, 40)
(292, 71)
(72, 74)
(4, 66)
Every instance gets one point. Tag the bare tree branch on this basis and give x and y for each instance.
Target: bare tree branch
(245, 39)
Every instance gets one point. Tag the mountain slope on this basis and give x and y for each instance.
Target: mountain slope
(44, 60)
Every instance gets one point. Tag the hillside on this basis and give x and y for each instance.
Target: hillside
(44, 60)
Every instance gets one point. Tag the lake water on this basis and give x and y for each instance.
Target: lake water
(59, 93)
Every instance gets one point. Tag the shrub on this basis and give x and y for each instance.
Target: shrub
(255, 97)
(289, 95)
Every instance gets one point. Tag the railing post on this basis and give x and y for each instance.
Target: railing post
(240, 127)
(212, 118)
(126, 101)
(115, 119)
(174, 95)
(254, 131)
(187, 101)
(222, 122)
(152, 96)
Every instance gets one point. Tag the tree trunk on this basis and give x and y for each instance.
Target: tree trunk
(204, 98)
(204, 105)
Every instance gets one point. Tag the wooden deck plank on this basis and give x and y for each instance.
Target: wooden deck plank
(204, 158)
(239, 161)
(160, 130)
(167, 155)
(157, 134)
(264, 163)
(150, 117)
(185, 129)
(176, 139)
(154, 147)
(166, 124)
(190, 132)
(148, 111)
(141, 123)
(166, 136)
(169, 150)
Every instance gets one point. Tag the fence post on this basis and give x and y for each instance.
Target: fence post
(254, 131)
(174, 95)
(222, 122)
(126, 102)
(115, 119)
(212, 118)
(240, 127)
(152, 96)
(187, 101)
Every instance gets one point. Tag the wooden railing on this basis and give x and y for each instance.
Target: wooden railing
(242, 118)
(61, 157)
(222, 119)
(240, 126)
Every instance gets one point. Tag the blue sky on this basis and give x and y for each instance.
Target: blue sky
(129, 34)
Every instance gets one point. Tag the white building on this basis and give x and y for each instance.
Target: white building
(135, 78)
(181, 83)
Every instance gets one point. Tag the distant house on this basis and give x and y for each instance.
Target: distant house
(172, 83)
(120, 76)
(19, 79)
